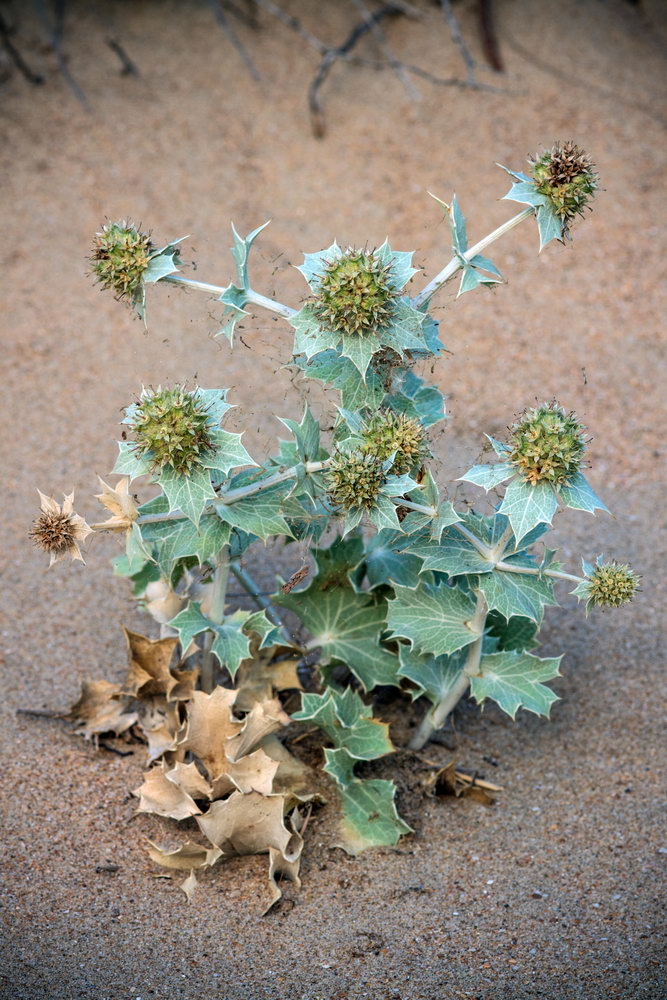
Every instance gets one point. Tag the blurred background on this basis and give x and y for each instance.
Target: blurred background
(334, 119)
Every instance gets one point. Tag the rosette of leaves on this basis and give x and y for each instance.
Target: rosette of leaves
(541, 464)
(561, 186)
(357, 310)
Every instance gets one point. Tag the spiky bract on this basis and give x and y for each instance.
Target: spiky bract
(610, 585)
(121, 254)
(547, 445)
(355, 295)
(173, 427)
(388, 433)
(566, 176)
(355, 479)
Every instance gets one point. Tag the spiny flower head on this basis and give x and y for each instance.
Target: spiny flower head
(121, 254)
(174, 426)
(610, 584)
(388, 433)
(355, 294)
(566, 176)
(58, 530)
(355, 479)
(547, 445)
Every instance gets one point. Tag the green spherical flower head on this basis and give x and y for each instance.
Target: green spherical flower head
(174, 427)
(566, 175)
(355, 295)
(547, 445)
(610, 585)
(355, 479)
(387, 433)
(121, 254)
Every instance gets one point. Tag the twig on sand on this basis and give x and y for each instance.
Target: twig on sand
(221, 18)
(15, 55)
(457, 38)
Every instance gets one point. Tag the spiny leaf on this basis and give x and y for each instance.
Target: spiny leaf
(514, 680)
(435, 618)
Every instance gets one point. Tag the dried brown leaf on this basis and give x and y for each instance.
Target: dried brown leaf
(210, 727)
(186, 681)
(281, 868)
(189, 778)
(186, 857)
(101, 708)
(251, 824)
(160, 724)
(252, 773)
(448, 781)
(158, 794)
(260, 675)
(189, 886)
(264, 718)
(292, 774)
(148, 665)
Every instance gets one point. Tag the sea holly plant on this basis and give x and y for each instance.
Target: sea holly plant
(406, 593)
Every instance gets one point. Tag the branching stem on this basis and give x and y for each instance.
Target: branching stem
(261, 600)
(251, 296)
(456, 264)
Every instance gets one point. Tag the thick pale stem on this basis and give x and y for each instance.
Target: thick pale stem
(261, 600)
(216, 613)
(436, 717)
(456, 264)
(254, 297)
(233, 496)
(420, 508)
(555, 574)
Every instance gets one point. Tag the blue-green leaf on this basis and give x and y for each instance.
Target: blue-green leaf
(130, 461)
(514, 680)
(187, 493)
(435, 676)
(260, 514)
(517, 593)
(385, 565)
(315, 264)
(526, 506)
(370, 818)
(435, 618)
(310, 337)
(580, 496)
(227, 452)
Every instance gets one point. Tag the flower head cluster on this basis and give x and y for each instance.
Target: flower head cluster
(58, 530)
(355, 479)
(355, 295)
(173, 427)
(121, 254)
(609, 585)
(566, 176)
(547, 445)
(388, 433)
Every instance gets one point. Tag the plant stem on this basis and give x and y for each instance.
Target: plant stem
(555, 574)
(216, 613)
(455, 263)
(232, 496)
(483, 549)
(400, 502)
(260, 599)
(250, 295)
(436, 717)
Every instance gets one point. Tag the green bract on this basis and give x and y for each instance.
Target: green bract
(406, 591)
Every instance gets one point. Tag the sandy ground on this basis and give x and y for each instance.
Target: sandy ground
(558, 890)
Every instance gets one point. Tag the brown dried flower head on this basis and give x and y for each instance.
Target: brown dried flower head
(59, 530)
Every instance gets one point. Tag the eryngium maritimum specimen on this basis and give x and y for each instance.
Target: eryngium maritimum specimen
(547, 445)
(121, 254)
(355, 295)
(608, 585)
(58, 530)
(173, 428)
(566, 176)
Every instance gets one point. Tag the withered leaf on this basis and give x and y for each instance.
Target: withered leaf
(148, 665)
(448, 781)
(185, 684)
(264, 718)
(102, 707)
(186, 857)
(261, 674)
(251, 824)
(280, 867)
(292, 774)
(252, 773)
(160, 723)
(189, 778)
(158, 794)
(189, 886)
(210, 725)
